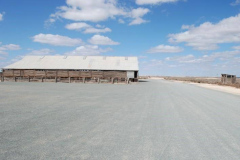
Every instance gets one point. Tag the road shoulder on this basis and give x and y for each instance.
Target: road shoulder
(227, 89)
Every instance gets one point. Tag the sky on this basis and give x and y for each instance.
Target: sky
(169, 37)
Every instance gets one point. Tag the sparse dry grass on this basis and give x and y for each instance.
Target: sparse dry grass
(206, 80)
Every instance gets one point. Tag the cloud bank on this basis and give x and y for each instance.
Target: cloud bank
(207, 36)
(56, 40)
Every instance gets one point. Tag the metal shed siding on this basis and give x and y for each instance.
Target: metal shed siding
(130, 74)
(76, 63)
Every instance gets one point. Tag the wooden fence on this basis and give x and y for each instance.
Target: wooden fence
(65, 76)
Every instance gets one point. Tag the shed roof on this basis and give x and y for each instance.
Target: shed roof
(76, 63)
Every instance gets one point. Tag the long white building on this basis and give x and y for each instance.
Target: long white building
(54, 67)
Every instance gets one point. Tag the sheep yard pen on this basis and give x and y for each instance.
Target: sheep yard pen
(64, 76)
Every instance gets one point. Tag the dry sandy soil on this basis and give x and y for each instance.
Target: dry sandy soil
(223, 88)
(227, 89)
(210, 83)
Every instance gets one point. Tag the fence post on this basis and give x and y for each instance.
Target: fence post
(84, 80)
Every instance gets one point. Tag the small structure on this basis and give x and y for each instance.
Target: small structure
(73, 69)
(228, 79)
(0, 75)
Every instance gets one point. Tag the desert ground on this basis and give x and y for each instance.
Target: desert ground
(204, 80)
(152, 119)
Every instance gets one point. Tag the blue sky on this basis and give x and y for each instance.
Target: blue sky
(170, 37)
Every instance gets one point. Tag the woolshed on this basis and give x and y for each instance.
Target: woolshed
(228, 79)
(1, 75)
(69, 69)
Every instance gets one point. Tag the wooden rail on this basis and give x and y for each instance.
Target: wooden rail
(65, 76)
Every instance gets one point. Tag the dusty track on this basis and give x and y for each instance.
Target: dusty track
(155, 119)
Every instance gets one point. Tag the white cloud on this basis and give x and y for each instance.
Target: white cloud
(194, 65)
(220, 56)
(226, 55)
(137, 15)
(8, 47)
(237, 2)
(56, 40)
(207, 36)
(1, 16)
(153, 2)
(186, 27)
(3, 52)
(182, 59)
(165, 49)
(43, 52)
(137, 21)
(139, 12)
(52, 19)
(236, 47)
(102, 40)
(156, 63)
(77, 26)
(89, 50)
(142, 57)
(87, 28)
(96, 11)
(90, 10)
(99, 26)
(121, 21)
(97, 30)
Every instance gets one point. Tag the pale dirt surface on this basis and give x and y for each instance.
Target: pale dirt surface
(151, 120)
(156, 78)
(208, 78)
(227, 89)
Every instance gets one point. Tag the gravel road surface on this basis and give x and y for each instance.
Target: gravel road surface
(150, 120)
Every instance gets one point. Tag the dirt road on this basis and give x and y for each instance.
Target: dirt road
(155, 119)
